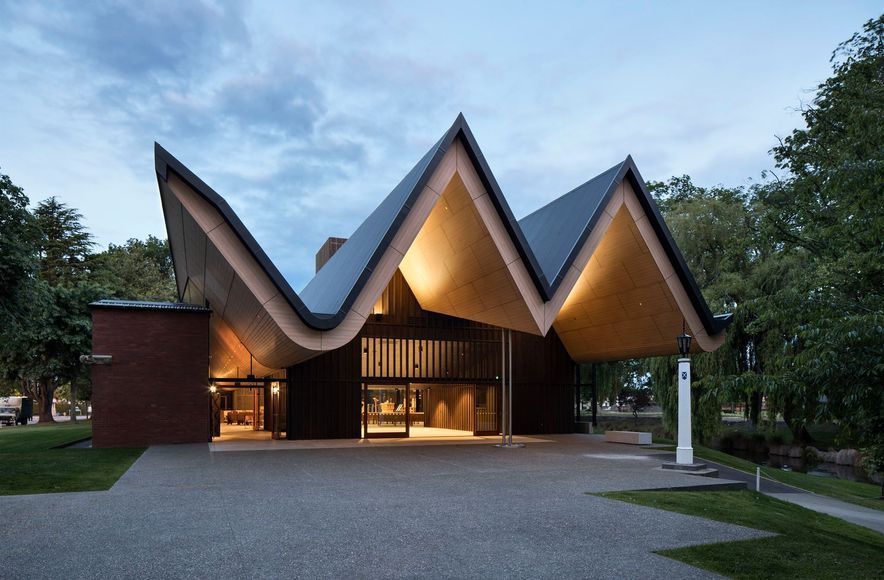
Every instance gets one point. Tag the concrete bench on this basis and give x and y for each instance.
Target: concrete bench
(630, 437)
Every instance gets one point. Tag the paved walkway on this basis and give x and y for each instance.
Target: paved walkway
(456, 511)
(855, 514)
(264, 443)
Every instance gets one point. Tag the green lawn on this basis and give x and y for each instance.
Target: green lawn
(810, 544)
(864, 494)
(31, 465)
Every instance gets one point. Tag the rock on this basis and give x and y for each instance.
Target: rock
(827, 456)
(847, 457)
(795, 452)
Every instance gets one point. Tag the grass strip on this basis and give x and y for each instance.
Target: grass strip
(30, 464)
(855, 492)
(809, 544)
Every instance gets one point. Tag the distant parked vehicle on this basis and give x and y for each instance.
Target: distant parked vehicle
(22, 408)
(8, 416)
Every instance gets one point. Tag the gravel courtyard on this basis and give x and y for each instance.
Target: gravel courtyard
(453, 511)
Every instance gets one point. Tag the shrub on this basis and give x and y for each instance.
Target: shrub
(775, 439)
(727, 440)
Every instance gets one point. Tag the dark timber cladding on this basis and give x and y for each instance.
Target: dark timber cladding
(404, 344)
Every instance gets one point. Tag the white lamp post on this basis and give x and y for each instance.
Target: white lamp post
(684, 453)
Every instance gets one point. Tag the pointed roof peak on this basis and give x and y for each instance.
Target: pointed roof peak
(547, 240)
(556, 231)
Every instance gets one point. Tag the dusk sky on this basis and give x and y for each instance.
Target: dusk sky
(303, 116)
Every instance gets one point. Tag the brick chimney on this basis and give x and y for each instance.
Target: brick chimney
(328, 250)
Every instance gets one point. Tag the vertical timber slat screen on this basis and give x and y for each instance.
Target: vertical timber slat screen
(449, 406)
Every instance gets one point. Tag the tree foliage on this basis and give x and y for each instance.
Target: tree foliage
(65, 246)
(18, 266)
(830, 209)
(797, 260)
(49, 276)
(137, 270)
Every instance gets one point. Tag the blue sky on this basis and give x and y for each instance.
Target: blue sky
(304, 115)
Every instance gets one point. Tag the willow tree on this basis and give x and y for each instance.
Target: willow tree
(829, 207)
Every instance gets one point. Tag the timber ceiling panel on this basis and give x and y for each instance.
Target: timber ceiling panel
(175, 229)
(242, 307)
(229, 357)
(621, 304)
(195, 251)
(219, 276)
(455, 268)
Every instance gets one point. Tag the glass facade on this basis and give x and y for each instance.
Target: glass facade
(384, 410)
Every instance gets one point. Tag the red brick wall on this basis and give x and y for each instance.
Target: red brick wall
(155, 390)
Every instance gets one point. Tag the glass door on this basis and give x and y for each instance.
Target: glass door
(385, 410)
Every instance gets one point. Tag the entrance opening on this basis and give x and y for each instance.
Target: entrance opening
(430, 410)
(242, 412)
(247, 409)
(384, 411)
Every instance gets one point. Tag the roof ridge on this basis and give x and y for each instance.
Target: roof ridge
(575, 190)
(326, 299)
(557, 230)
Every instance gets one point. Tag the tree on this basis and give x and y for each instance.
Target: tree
(55, 327)
(49, 348)
(65, 246)
(48, 277)
(18, 238)
(717, 232)
(829, 208)
(137, 270)
(798, 262)
(18, 266)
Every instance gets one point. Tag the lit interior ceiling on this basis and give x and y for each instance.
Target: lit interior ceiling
(621, 306)
(229, 357)
(454, 266)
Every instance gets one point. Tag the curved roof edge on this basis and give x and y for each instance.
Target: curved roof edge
(713, 324)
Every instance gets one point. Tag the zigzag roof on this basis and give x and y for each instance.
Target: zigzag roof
(547, 241)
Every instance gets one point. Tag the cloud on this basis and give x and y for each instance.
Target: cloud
(278, 103)
(304, 115)
(141, 40)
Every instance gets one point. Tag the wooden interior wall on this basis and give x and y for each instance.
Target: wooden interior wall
(324, 396)
(450, 407)
(488, 408)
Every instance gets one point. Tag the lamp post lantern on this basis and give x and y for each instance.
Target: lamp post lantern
(684, 453)
(214, 412)
(274, 401)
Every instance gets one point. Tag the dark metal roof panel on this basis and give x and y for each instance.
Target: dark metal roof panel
(556, 229)
(328, 290)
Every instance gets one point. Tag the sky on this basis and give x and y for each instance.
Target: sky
(305, 115)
